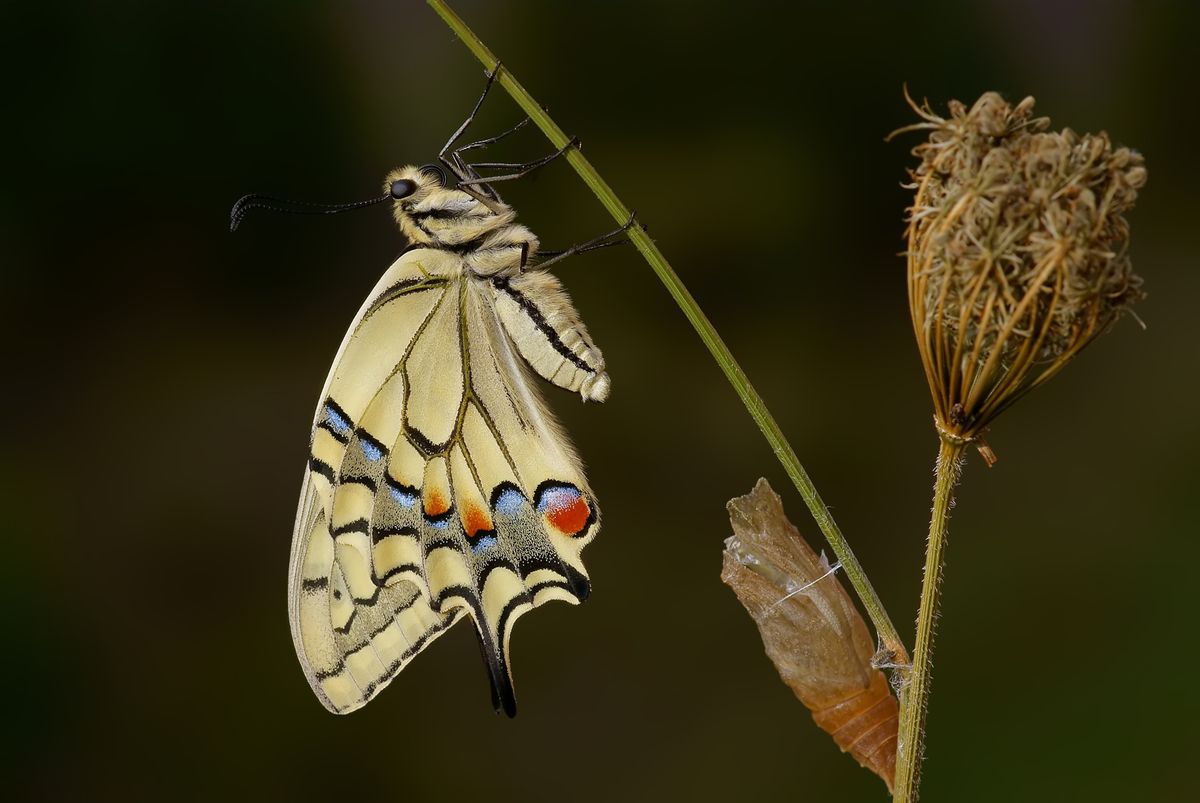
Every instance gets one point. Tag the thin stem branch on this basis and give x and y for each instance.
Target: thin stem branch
(915, 697)
(888, 635)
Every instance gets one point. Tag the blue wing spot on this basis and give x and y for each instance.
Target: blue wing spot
(440, 524)
(372, 451)
(558, 497)
(485, 543)
(338, 420)
(509, 502)
(404, 497)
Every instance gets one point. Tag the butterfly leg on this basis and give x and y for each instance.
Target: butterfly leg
(520, 169)
(492, 140)
(453, 159)
(614, 237)
(495, 71)
(460, 166)
(454, 162)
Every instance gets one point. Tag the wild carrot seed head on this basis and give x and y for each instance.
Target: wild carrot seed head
(1017, 253)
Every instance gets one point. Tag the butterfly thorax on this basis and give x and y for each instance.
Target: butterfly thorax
(449, 219)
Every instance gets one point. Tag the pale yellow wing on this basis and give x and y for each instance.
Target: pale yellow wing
(438, 485)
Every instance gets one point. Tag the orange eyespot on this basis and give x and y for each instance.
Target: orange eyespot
(570, 519)
(565, 508)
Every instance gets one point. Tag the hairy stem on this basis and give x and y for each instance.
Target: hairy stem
(887, 632)
(915, 697)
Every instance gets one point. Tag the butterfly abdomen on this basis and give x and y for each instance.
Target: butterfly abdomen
(540, 319)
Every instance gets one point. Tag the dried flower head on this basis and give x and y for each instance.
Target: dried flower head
(1016, 254)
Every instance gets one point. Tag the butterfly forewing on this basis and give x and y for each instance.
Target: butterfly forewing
(438, 483)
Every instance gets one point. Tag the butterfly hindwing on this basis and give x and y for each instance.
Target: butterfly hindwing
(439, 484)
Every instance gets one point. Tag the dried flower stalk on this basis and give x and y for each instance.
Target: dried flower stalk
(1016, 254)
(811, 630)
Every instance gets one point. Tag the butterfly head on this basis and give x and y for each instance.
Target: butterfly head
(432, 213)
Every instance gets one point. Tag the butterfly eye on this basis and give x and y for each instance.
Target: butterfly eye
(435, 172)
(403, 188)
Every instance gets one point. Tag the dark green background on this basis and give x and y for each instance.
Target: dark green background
(163, 375)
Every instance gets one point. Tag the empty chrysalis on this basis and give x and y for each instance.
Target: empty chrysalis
(811, 630)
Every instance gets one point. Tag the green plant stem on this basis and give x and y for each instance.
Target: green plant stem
(914, 699)
(888, 635)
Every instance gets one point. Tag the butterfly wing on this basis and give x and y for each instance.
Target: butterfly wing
(438, 486)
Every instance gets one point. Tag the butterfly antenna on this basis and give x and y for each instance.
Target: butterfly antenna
(256, 201)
